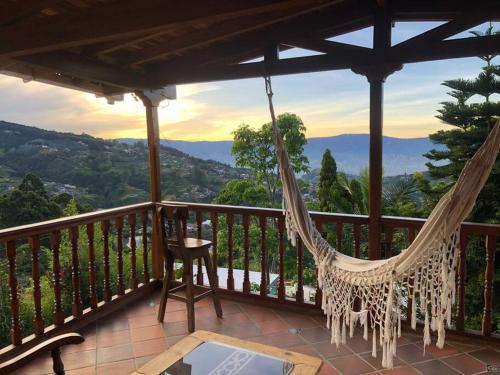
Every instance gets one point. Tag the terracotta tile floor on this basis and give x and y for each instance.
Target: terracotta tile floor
(130, 338)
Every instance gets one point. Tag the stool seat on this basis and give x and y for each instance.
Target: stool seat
(196, 243)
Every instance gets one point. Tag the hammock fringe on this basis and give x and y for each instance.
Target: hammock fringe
(424, 273)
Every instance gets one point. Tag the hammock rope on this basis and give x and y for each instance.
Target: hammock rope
(424, 273)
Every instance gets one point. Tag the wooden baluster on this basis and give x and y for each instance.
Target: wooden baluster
(462, 273)
(133, 251)
(357, 240)
(199, 220)
(300, 272)
(410, 312)
(214, 220)
(15, 327)
(339, 229)
(105, 242)
(411, 234)
(77, 308)
(246, 258)
(281, 249)
(119, 250)
(263, 256)
(389, 234)
(230, 278)
(319, 293)
(92, 267)
(34, 242)
(491, 244)
(55, 245)
(145, 272)
(184, 227)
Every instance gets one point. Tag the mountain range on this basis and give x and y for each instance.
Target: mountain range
(104, 173)
(400, 155)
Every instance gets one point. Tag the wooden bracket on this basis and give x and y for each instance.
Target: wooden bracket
(377, 73)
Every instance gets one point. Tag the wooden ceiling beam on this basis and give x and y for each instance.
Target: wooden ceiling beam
(75, 65)
(447, 49)
(106, 22)
(223, 31)
(450, 49)
(232, 50)
(29, 73)
(327, 46)
(442, 10)
(453, 27)
(12, 11)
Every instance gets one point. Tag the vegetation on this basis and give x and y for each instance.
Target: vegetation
(472, 112)
(254, 149)
(102, 173)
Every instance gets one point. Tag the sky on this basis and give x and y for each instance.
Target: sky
(329, 103)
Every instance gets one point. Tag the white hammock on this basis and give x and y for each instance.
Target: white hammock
(424, 272)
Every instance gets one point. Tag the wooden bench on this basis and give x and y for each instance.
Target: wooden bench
(53, 345)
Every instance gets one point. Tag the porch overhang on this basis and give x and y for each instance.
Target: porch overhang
(114, 47)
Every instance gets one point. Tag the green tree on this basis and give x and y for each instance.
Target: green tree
(472, 114)
(327, 178)
(254, 149)
(28, 203)
(243, 193)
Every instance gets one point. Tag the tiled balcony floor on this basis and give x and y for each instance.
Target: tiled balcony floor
(132, 337)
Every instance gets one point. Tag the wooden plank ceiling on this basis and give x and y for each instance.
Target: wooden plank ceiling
(114, 46)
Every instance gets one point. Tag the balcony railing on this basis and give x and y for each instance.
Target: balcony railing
(113, 249)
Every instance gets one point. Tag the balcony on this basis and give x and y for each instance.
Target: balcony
(106, 266)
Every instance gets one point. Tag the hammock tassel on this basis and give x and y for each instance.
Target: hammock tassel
(344, 336)
(427, 333)
(414, 313)
(374, 343)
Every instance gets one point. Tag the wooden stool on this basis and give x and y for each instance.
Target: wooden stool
(177, 246)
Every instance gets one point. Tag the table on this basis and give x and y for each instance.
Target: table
(219, 354)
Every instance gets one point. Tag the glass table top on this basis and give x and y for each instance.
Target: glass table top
(213, 358)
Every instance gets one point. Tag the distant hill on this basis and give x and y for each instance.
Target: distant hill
(350, 151)
(102, 172)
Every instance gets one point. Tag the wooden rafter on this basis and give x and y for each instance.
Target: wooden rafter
(227, 30)
(88, 69)
(448, 49)
(105, 22)
(248, 43)
(327, 46)
(11, 12)
(223, 30)
(457, 25)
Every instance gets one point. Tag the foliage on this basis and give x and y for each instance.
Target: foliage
(471, 113)
(28, 203)
(254, 149)
(243, 192)
(103, 173)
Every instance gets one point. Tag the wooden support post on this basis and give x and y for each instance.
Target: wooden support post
(151, 100)
(376, 75)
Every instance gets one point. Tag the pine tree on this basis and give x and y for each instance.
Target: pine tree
(327, 177)
(473, 121)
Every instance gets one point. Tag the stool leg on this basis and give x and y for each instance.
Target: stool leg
(188, 272)
(165, 288)
(213, 285)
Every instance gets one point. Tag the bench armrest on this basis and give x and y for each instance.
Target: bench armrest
(51, 345)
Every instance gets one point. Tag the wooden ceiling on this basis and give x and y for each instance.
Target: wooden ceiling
(110, 47)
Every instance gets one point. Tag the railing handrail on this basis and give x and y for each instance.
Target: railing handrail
(24, 231)
(392, 221)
